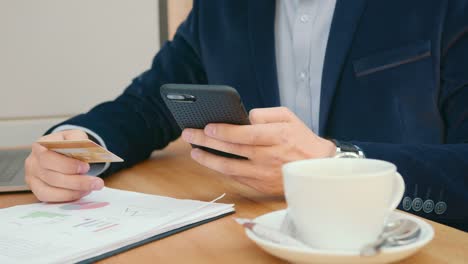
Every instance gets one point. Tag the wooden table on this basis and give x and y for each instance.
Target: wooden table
(171, 172)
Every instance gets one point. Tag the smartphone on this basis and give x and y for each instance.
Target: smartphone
(195, 106)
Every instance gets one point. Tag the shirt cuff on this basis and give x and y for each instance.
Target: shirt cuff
(95, 169)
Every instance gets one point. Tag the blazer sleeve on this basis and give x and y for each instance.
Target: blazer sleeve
(138, 122)
(437, 175)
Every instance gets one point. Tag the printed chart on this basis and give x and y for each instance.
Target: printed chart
(38, 218)
(83, 205)
(39, 214)
(96, 225)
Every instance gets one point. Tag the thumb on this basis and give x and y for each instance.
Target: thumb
(74, 134)
(271, 115)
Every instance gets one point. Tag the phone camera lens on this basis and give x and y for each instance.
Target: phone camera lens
(175, 97)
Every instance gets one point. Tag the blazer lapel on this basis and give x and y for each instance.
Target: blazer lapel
(261, 26)
(345, 21)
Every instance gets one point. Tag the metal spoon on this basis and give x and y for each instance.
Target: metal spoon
(400, 233)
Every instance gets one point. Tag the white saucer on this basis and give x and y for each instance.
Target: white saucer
(313, 255)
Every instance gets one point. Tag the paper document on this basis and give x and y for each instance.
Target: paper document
(101, 222)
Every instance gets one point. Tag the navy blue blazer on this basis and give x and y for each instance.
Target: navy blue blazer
(395, 83)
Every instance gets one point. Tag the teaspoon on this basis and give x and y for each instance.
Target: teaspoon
(401, 233)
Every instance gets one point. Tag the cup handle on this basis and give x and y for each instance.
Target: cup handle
(398, 191)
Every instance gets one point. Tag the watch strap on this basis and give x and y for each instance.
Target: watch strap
(343, 147)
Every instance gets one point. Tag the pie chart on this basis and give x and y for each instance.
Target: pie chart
(83, 205)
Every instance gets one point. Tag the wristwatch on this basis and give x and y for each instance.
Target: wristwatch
(347, 150)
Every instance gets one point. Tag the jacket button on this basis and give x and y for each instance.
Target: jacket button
(407, 203)
(417, 204)
(428, 206)
(440, 208)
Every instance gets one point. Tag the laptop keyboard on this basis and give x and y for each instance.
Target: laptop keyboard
(12, 163)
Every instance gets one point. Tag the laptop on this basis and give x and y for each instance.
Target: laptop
(12, 169)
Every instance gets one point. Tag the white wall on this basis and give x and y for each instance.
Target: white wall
(58, 58)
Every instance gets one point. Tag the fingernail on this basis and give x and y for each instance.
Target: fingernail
(210, 130)
(97, 185)
(187, 135)
(195, 153)
(83, 168)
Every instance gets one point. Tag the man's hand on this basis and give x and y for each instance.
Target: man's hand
(56, 178)
(275, 136)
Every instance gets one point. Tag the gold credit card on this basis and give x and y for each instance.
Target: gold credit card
(84, 150)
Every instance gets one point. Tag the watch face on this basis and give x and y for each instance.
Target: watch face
(347, 155)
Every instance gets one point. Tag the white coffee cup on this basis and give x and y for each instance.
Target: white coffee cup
(341, 203)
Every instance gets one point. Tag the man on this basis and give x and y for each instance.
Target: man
(389, 78)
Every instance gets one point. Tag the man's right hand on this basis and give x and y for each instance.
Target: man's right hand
(53, 177)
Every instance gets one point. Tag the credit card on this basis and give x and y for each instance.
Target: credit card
(85, 150)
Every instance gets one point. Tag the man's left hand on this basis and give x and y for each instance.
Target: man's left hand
(275, 136)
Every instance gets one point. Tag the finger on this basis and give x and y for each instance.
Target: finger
(60, 163)
(260, 134)
(198, 137)
(253, 183)
(271, 115)
(47, 193)
(42, 190)
(228, 166)
(83, 183)
(266, 187)
(83, 194)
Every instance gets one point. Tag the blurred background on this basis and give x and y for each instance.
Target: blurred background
(58, 58)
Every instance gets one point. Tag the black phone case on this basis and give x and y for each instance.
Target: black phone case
(211, 104)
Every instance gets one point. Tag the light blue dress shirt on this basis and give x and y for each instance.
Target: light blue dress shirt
(302, 28)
